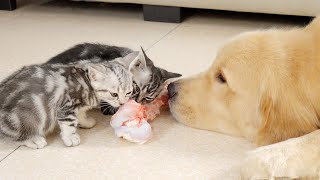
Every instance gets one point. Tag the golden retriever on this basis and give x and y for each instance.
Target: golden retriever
(264, 86)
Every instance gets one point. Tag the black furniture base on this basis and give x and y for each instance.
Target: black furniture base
(8, 4)
(162, 13)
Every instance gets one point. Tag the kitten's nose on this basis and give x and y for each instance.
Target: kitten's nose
(171, 90)
(121, 103)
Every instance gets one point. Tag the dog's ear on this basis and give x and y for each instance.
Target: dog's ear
(285, 114)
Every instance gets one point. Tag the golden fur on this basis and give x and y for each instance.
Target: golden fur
(272, 91)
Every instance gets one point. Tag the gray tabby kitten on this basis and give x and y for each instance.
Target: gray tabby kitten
(37, 98)
(148, 79)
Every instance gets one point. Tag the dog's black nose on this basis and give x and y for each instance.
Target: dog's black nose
(172, 90)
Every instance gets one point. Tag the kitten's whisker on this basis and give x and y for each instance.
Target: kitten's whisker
(65, 110)
(106, 109)
(104, 103)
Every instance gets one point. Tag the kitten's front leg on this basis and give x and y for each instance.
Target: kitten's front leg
(85, 121)
(68, 125)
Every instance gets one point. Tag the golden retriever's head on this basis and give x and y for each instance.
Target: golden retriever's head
(225, 96)
(255, 88)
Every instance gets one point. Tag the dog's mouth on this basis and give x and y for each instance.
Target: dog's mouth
(172, 100)
(172, 96)
(175, 114)
(171, 108)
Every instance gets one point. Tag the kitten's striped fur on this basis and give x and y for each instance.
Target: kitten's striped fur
(36, 98)
(148, 79)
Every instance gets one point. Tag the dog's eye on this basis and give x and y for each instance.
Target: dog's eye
(221, 78)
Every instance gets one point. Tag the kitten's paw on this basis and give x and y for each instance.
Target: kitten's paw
(37, 142)
(87, 123)
(71, 140)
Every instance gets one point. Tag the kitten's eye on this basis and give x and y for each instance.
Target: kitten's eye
(221, 78)
(148, 98)
(129, 93)
(114, 94)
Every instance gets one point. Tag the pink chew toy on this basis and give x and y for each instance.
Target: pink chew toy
(131, 120)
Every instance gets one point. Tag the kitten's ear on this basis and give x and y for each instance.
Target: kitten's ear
(138, 63)
(126, 60)
(168, 75)
(133, 60)
(148, 61)
(94, 72)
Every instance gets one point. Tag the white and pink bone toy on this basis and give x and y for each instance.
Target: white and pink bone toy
(131, 120)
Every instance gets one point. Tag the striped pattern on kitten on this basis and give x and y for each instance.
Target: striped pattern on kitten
(36, 98)
(148, 79)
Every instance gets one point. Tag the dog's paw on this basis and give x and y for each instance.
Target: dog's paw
(292, 159)
(71, 140)
(36, 142)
